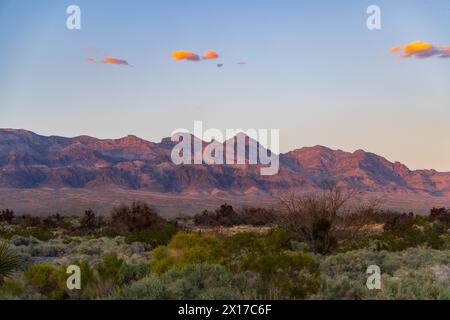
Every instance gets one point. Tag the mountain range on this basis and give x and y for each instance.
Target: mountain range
(30, 161)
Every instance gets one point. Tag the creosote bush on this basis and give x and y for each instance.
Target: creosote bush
(191, 282)
(283, 273)
(47, 280)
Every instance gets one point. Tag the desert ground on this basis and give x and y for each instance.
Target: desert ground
(69, 201)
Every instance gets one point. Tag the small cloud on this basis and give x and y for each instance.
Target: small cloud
(421, 49)
(185, 55)
(90, 59)
(110, 60)
(210, 54)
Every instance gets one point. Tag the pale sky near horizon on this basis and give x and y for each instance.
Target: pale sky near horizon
(313, 70)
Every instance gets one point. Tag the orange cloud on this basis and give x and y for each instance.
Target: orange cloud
(210, 54)
(111, 60)
(416, 47)
(185, 55)
(421, 49)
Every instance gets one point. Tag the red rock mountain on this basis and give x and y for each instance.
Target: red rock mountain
(28, 160)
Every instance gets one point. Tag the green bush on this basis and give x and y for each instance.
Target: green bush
(283, 273)
(410, 234)
(201, 281)
(151, 288)
(47, 280)
(156, 235)
(415, 285)
(344, 275)
(132, 272)
(10, 290)
(186, 248)
(88, 276)
(110, 266)
(40, 232)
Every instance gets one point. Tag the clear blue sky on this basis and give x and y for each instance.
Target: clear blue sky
(313, 70)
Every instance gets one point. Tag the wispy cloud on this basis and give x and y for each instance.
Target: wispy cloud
(111, 60)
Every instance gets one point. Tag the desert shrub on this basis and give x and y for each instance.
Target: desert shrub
(292, 275)
(257, 217)
(132, 272)
(440, 214)
(342, 287)
(137, 216)
(48, 249)
(397, 221)
(323, 219)
(241, 244)
(91, 287)
(47, 280)
(88, 276)
(191, 248)
(283, 273)
(344, 274)
(7, 215)
(29, 221)
(91, 222)
(354, 263)
(110, 232)
(415, 285)
(25, 261)
(10, 290)
(18, 240)
(186, 248)
(9, 261)
(54, 221)
(151, 288)
(110, 266)
(226, 216)
(205, 281)
(198, 281)
(156, 235)
(94, 250)
(39, 232)
(409, 233)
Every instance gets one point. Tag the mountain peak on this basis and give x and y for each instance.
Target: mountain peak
(131, 139)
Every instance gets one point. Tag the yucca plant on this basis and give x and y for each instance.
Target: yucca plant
(9, 261)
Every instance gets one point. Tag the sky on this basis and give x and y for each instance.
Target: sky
(313, 70)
